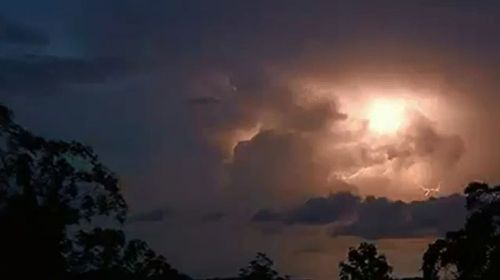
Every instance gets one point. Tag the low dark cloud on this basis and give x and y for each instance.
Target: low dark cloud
(318, 211)
(374, 218)
(13, 33)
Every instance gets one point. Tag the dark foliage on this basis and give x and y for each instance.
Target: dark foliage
(472, 252)
(261, 268)
(50, 191)
(105, 254)
(365, 263)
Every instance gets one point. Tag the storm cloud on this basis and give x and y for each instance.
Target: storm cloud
(374, 218)
(226, 108)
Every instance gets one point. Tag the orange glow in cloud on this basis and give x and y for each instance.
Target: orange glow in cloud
(386, 116)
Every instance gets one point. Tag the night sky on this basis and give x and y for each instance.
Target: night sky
(296, 128)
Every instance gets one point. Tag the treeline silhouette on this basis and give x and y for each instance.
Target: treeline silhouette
(54, 195)
(51, 193)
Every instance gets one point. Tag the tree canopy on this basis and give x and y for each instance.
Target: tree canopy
(472, 252)
(261, 268)
(365, 263)
(50, 194)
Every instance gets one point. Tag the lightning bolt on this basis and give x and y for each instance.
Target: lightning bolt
(428, 190)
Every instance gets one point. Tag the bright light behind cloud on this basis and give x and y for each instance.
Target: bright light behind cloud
(386, 116)
(381, 122)
(389, 141)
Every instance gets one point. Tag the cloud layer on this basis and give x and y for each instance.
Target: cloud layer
(374, 218)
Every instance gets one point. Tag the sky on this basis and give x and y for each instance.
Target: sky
(296, 128)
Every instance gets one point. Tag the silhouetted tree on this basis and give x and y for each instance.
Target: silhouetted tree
(261, 268)
(472, 252)
(364, 263)
(105, 254)
(50, 191)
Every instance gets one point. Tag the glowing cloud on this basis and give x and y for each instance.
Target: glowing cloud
(386, 116)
